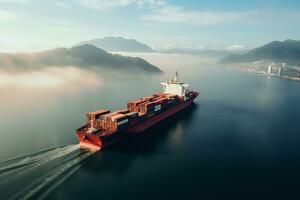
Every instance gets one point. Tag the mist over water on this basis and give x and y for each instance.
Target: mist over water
(52, 77)
(240, 137)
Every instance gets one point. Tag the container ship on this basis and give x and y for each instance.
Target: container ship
(104, 127)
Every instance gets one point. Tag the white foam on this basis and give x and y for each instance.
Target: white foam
(52, 167)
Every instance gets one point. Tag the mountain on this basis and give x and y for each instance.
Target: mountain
(118, 44)
(287, 51)
(83, 56)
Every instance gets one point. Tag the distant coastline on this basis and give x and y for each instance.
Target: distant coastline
(281, 59)
(268, 68)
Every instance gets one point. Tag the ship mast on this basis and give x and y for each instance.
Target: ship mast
(176, 78)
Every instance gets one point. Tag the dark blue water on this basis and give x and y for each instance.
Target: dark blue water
(240, 140)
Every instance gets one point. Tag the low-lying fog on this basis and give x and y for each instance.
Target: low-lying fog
(172, 62)
(52, 77)
(69, 77)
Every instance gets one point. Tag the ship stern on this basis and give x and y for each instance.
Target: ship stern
(89, 141)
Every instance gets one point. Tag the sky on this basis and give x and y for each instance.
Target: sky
(35, 25)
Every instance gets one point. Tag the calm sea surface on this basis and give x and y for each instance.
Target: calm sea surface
(240, 140)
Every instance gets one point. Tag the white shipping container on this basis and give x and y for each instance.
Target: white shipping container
(122, 122)
(158, 107)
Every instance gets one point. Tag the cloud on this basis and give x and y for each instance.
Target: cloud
(236, 47)
(57, 24)
(61, 4)
(182, 46)
(6, 16)
(102, 5)
(14, 1)
(161, 11)
(178, 15)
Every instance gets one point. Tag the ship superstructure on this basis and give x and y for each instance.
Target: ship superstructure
(175, 86)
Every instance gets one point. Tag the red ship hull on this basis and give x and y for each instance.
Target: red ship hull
(97, 142)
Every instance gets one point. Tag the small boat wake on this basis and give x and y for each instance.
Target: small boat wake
(33, 176)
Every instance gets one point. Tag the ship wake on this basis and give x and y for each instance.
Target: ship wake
(35, 175)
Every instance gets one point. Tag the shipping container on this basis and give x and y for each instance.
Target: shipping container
(160, 94)
(157, 108)
(123, 111)
(132, 115)
(147, 98)
(132, 106)
(102, 124)
(136, 102)
(93, 118)
(117, 122)
(104, 117)
(142, 116)
(97, 113)
(115, 128)
(118, 117)
(146, 107)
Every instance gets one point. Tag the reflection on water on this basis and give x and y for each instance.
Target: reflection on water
(177, 138)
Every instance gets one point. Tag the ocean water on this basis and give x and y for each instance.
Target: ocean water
(239, 140)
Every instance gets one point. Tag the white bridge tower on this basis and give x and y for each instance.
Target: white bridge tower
(175, 86)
